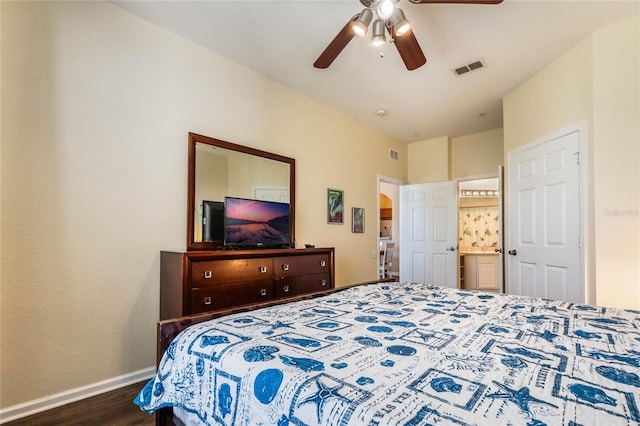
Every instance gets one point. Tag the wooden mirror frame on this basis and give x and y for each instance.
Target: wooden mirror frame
(191, 189)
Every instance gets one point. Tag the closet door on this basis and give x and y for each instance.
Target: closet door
(544, 250)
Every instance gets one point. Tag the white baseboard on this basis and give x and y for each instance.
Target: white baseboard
(43, 404)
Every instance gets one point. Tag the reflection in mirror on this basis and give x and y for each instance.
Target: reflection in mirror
(221, 172)
(218, 169)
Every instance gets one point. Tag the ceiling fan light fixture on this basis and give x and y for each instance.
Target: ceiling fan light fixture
(400, 23)
(378, 38)
(361, 24)
(384, 9)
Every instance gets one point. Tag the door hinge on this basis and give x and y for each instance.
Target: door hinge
(579, 243)
(577, 154)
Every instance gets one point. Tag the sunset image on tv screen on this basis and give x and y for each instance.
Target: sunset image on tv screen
(256, 222)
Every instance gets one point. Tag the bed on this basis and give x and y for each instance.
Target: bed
(404, 354)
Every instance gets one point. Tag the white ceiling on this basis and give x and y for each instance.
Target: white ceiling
(281, 39)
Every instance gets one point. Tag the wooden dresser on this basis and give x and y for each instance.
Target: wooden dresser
(199, 281)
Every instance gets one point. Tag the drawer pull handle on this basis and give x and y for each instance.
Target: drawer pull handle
(263, 269)
(285, 289)
(323, 263)
(263, 292)
(206, 301)
(323, 282)
(285, 267)
(208, 274)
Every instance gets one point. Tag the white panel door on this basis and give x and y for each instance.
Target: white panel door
(544, 254)
(430, 224)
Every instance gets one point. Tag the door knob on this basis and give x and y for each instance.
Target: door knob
(498, 250)
(512, 252)
(452, 248)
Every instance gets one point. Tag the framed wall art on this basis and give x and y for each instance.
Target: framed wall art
(335, 206)
(357, 220)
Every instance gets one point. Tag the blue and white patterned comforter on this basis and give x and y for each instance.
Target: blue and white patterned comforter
(407, 354)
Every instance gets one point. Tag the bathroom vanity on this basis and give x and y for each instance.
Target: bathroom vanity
(479, 270)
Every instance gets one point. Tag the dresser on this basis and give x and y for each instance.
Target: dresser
(192, 282)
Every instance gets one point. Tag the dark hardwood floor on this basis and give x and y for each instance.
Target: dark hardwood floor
(112, 408)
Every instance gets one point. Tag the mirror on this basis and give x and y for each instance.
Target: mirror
(218, 168)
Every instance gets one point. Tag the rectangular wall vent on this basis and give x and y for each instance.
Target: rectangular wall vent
(476, 65)
(393, 155)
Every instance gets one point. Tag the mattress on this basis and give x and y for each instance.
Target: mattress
(406, 354)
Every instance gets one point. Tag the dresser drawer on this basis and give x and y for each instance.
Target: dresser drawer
(291, 286)
(227, 296)
(220, 272)
(297, 265)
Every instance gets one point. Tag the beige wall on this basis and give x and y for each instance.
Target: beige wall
(616, 149)
(97, 104)
(595, 83)
(447, 158)
(559, 95)
(429, 160)
(477, 154)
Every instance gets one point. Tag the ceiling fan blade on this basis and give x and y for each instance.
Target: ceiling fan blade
(334, 48)
(410, 51)
(457, 1)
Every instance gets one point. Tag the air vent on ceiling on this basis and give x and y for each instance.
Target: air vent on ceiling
(476, 65)
(393, 155)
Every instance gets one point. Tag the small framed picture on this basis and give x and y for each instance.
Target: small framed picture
(335, 206)
(357, 220)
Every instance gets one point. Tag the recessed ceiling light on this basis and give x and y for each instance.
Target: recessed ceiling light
(381, 112)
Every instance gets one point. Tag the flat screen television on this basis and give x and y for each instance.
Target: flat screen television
(212, 221)
(256, 223)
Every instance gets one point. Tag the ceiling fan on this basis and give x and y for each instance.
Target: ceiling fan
(388, 17)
